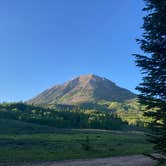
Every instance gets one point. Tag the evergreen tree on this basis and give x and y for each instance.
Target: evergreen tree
(153, 68)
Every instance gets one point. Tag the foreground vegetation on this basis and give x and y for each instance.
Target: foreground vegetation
(152, 64)
(70, 144)
(31, 133)
(101, 115)
(161, 164)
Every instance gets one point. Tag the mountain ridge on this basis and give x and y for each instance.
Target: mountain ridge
(85, 88)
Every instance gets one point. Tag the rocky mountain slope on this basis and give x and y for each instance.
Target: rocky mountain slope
(86, 88)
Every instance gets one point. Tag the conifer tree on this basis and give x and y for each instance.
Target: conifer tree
(153, 67)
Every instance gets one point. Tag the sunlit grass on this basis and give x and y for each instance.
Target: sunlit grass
(62, 146)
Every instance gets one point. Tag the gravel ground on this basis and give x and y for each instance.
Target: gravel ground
(136, 160)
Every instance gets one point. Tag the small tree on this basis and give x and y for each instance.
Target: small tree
(153, 67)
(86, 144)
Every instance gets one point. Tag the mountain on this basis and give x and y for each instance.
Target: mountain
(82, 89)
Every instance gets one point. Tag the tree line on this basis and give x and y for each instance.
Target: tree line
(69, 118)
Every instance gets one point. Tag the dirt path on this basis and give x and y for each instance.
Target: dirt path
(137, 160)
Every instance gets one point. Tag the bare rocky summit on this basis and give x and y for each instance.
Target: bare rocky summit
(85, 88)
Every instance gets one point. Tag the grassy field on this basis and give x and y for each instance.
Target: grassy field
(70, 145)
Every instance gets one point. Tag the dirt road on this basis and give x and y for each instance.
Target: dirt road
(137, 160)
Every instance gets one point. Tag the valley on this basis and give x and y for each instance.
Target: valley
(54, 127)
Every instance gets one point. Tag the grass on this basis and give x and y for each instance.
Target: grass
(69, 145)
(8, 126)
(161, 162)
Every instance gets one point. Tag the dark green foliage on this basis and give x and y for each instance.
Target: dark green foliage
(9, 126)
(71, 118)
(161, 163)
(153, 67)
(102, 115)
(129, 111)
(86, 144)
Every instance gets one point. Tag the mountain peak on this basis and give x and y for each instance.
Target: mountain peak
(88, 77)
(85, 88)
(91, 77)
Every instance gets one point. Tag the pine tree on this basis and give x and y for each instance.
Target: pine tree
(153, 67)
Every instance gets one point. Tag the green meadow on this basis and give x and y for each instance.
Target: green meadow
(71, 144)
(28, 134)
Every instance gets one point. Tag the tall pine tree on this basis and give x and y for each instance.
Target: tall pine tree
(153, 67)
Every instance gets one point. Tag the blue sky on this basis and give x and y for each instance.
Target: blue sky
(46, 42)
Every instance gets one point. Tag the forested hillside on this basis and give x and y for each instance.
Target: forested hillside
(61, 118)
(102, 115)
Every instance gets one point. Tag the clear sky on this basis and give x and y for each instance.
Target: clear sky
(45, 42)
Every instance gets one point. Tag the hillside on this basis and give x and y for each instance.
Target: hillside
(57, 117)
(86, 88)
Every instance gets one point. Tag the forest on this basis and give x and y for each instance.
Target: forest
(111, 116)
